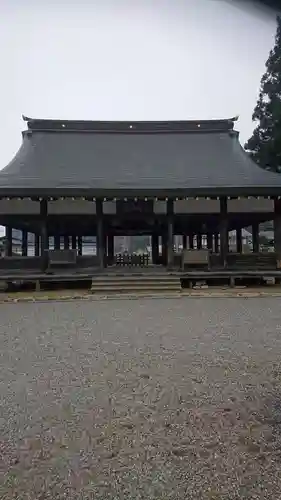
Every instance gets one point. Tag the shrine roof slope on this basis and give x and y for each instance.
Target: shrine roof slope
(183, 158)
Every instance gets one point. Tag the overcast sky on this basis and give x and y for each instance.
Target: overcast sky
(130, 59)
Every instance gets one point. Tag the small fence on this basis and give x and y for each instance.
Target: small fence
(132, 260)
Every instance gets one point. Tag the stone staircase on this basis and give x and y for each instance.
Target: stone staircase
(140, 284)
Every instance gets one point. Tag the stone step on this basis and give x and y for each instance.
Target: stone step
(135, 291)
(136, 274)
(135, 284)
(134, 279)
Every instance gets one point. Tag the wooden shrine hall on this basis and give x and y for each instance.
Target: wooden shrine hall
(72, 179)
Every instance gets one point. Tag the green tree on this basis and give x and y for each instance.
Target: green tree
(271, 3)
(265, 143)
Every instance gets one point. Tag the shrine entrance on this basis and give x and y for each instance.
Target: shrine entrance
(132, 251)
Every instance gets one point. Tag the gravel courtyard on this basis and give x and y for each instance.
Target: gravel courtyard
(149, 399)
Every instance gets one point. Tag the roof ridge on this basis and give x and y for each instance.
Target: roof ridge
(212, 125)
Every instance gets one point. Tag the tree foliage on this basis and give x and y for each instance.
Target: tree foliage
(265, 143)
(271, 3)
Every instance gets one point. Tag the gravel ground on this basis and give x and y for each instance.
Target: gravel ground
(149, 399)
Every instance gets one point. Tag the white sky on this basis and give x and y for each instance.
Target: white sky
(130, 59)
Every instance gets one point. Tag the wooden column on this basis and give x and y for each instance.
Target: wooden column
(24, 243)
(170, 233)
(105, 246)
(44, 234)
(100, 234)
(255, 236)
(80, 245)
(239, 243)
(210, 242)
(277, 231)
(184, 242)
(164, 241)
(199, 241)
(223, 231)
(8, 241)
(66, 242)
(36, 245)
(57, 242)
(216, 238)
(191, 242)
(155, 248)
(110, 248)
(73, 242)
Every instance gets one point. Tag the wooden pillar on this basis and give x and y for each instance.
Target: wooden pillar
(170, 233)
(277, 231)
(155, 248)
(57, 242)
(184, 242)
(223, 231)
(44, 234)
(199, 241)
(24, 239)
(80, 245)
(110, 248)
(239, 243)
(164, 249)
(210, 242)
(73, 242)
(36, 245)
(105, 246)
(191, 242)
(256, 237)
(8, 241)
(100, 234)
(216, 238)
(66, 242)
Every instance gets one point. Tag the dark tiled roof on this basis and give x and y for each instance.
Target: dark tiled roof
(184, 157)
